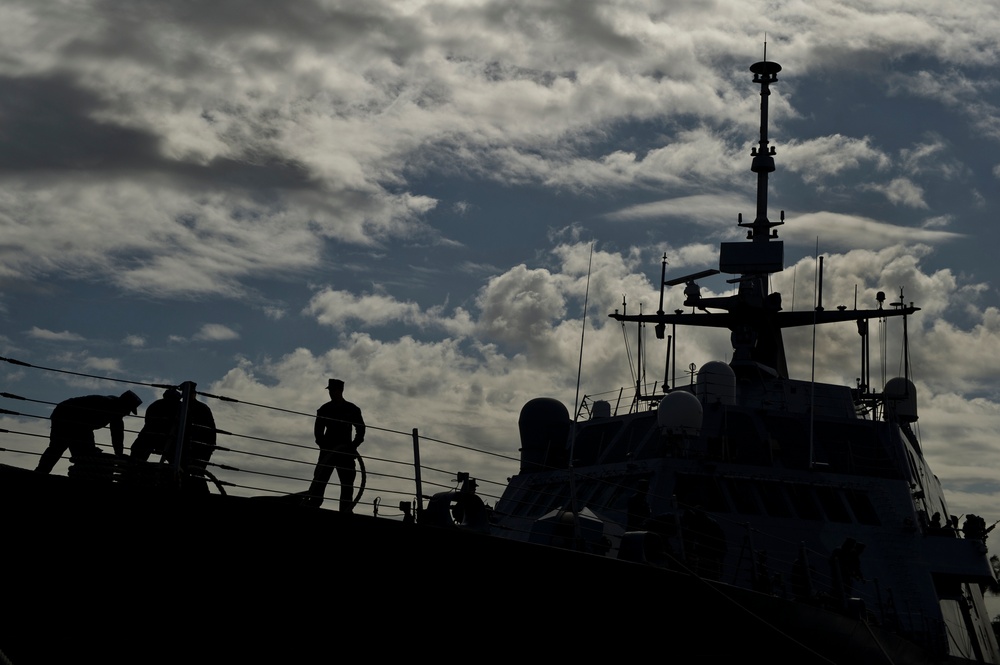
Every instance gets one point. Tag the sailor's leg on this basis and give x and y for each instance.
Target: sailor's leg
(59, 440)
(321, 476)
(347, 475)
(48, 460)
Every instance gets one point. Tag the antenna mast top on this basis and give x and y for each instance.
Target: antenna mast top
(767, 254)
(765, 73)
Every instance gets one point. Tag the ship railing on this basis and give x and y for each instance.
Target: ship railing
(247, 459)
(860, 447)
(624, 400)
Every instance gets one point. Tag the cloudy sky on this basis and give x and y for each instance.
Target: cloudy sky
(405, 195)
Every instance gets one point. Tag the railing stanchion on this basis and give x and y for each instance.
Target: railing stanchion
(416, 474)
(187, 393)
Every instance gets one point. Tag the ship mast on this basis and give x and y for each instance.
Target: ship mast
(765, 73)
(758, 340)
(753, 315)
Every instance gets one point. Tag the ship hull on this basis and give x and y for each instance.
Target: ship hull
(126, 574)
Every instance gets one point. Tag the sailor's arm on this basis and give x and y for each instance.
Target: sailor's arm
(359, 429)
(319, 428)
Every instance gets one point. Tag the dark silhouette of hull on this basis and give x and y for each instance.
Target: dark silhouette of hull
(109, 573)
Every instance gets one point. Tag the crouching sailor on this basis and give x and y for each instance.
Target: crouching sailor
(75, 420)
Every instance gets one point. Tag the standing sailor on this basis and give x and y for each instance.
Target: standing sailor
(333, 431)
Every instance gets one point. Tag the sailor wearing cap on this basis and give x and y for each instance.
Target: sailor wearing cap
(74, 421)
(339, 430)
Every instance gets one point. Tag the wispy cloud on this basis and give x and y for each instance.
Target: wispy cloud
(840, 231)
(52, 336)
(103, 364)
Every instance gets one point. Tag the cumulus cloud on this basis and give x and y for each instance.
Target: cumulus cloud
(216, 332)
(135, 341)
(901, 191)
(520, 306)
(951, 358)
(815, 159)
(340, 309)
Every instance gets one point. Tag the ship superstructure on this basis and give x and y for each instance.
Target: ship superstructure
(815, 494)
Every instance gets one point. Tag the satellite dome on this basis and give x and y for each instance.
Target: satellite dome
(901, 396)
(716, 383)
(679, 412)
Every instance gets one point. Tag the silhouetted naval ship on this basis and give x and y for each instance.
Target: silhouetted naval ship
(745, 514)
